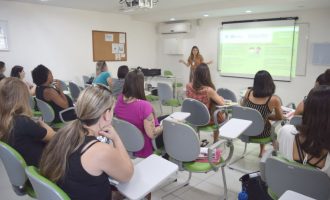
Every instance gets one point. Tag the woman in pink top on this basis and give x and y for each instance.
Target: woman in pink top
(203, 90)
(133, 107)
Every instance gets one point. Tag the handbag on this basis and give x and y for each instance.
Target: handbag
(253, 187)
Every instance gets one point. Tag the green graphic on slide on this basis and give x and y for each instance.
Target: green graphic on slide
(246, 51)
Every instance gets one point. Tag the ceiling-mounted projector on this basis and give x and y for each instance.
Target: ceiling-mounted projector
(136, 4)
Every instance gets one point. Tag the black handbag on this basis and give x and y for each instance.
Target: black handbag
(254, 187)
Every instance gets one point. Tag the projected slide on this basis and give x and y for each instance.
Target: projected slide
(244, 51)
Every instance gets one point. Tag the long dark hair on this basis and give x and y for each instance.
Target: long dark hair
(315, 127)
(263, 84)
(134, 85)
(202, 77)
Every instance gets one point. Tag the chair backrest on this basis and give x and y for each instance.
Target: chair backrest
(181, 141)
(32, 102)
(227, 94)
(44, 188)
(251, 114)
(283, 175)
(168, 73)
(15, 165)
(74, 90)
(199, 113)
(46, 110)
(296, 120)
(165, 92)
(64, 86)
(130, 135)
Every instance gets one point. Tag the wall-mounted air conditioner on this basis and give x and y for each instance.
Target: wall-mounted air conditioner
(171, 28)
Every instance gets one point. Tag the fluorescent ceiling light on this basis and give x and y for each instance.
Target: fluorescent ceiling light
(206, 15)
(248, 11)
(172, 19)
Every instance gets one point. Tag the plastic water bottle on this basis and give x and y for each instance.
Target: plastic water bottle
(243, 195)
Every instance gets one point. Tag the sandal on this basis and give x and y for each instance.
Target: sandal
(204, 143)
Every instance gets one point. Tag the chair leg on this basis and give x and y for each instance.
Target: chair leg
(184, 184)
(242, 156)
(161, 108)
(224, 183)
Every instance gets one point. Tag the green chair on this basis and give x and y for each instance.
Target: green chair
(175, 85)
(44, 188)
(282, 174)
(15, 165)
(182, 145)
(166, 97)
(199, 115)
(255, 129)
(48, 114)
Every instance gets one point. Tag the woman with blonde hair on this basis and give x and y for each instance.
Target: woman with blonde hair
(17, 128)
(77, 161)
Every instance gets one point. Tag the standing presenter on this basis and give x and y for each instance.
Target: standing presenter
(194, 60)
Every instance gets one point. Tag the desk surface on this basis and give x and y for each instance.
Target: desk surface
(148, 174)
(234, 128)
(290, 195)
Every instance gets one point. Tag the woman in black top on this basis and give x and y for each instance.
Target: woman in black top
(77, 161)
(17, 128)
(53, 95)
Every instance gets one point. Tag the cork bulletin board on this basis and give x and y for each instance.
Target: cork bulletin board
(109, 46)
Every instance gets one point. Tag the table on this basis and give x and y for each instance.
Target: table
(148, 174)
(234, 128)
(291, 195)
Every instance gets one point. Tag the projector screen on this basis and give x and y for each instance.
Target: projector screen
(249, 46)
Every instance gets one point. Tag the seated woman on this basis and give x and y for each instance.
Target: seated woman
(77, 161)
(102, 74)
(203, 90)
(117, 86)
(18, 72)
(52, 94)
(17, 127)
(133, 107)
(309, 143)
(261, 97)
(322, 79)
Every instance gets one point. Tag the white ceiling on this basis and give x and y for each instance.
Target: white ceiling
(189, 9)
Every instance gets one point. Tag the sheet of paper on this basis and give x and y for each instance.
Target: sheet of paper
(117, 57)
(121, 48)
(115, 48)
(108, 37)
(122, 38)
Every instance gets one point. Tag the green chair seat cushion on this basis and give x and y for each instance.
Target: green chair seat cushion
(29, 190)
(198, 166)
(172, 102)
(152, 97)
(260, 140)
(57, 125)
(36, 113)
(178, 85)
(208, 128)
(158, 152)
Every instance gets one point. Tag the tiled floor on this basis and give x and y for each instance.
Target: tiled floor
(202, 186)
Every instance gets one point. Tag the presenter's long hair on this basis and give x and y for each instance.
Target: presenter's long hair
(263, 84)
(192, 57)
(91, 104)
(134, 85)
(14, 100)
(202, 77)
(315, 127)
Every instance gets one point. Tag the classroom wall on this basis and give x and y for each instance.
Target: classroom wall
(61, 39)
(205, 36)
